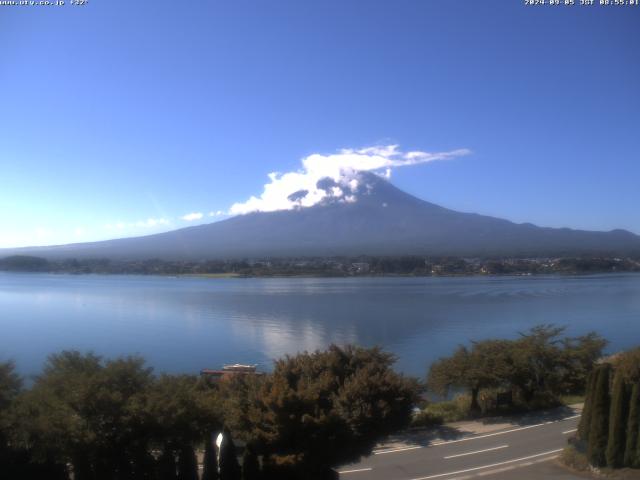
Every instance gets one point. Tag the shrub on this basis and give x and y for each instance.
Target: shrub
(443, 412)
(575, 459)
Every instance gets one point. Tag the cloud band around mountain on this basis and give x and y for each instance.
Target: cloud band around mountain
(286, 191)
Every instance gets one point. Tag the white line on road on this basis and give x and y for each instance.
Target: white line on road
(474, 437)
(513, 467)
(570, 431)
(489, 466)
(394, 450)
(355, 470)
(477, 451)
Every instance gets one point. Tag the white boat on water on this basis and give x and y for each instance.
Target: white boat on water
(237, 367)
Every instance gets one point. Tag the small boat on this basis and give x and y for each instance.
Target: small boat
(231, 370)
(237, 367)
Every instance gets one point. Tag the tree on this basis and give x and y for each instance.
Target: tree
(631, 458)
(250, 464)
(181, 410)
(317, 410)
(618, 419)
(599, 429)
(10, 384)
(580, 356)
(167, 465)
(628, 363)
(486, 365)
(585, 420)
(538, 361)
(84, 411)
(229, 467)
(187, 463)
(210, 463)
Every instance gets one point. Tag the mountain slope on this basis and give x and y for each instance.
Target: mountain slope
(382, 220)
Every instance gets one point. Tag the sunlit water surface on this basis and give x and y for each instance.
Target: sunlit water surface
(185, 324)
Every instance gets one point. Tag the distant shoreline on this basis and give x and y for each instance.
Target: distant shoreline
(339, 267)
(227, 276)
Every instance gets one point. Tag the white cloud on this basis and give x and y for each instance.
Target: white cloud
(189, 217)
(300, 188)
(217, 213)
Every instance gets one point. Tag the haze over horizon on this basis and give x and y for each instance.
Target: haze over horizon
(527, 114)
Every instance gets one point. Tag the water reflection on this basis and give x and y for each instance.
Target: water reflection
(184, 324)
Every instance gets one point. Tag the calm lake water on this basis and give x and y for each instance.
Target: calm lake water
(185, 324)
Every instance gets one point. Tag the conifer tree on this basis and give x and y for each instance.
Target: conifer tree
(187, 464)
(229, 466)
(210, 467)
(585, 419)
(618, 418)
(599, 424)
(633, 425)
(167, 465)
(250, 464)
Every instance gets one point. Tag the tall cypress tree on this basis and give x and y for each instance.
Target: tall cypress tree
(229, 466)
(633, 425)
(599, 424)
(250, 464)
(585, 419)
(618, 419)
(210, 467)
(167, 465)
(187, 463)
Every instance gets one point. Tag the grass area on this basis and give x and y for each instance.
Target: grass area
(571, 399)
(575, 460)
(455, 410)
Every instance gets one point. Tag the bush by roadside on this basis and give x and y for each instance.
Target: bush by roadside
(443, 412)
(575, 460)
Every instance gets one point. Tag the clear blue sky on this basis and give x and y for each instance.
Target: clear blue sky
(123, 111)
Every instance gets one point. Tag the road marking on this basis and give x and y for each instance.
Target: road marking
(393, 450)
(475, 437)
(477, 451)
(570, 431)
(489, 466)
(511, 467)
(355, 470)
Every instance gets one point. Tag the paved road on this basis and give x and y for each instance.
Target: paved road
(493, 455)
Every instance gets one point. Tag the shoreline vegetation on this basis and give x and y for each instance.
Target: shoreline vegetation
(363, 266)
(607, 443)
(89, 418)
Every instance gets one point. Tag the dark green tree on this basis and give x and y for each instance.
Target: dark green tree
(585, 420)
(229, 466)
(618, 418)
(187, 463)
(317, 410)
(538, 361)
(250, 464)
(487, 365)
(83, 411)
(210, 463)
(631, 458)
(181, 409)
(167, 468)
(599, 429)
(628, 363)
(580, 354)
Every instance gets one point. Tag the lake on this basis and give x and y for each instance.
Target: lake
(185, 324)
